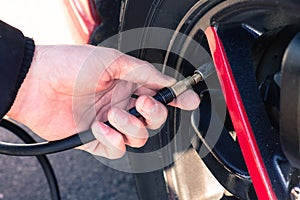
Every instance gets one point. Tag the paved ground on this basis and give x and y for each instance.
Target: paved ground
(80, 176)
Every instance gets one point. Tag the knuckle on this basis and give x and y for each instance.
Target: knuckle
(137, 143)
(116, 154)
(159, 114)
(156, 126)
(156, 122)
(138, 139)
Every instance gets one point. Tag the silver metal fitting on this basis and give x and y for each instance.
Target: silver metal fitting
(200, 74)
(205, 70)
(183, 85)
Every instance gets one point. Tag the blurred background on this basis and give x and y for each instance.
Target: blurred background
(80, 176)
(44, 21)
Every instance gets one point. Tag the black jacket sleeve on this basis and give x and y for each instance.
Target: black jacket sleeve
(16, 53)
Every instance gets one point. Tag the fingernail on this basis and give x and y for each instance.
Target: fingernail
(170, 79)
(120, 117)
(148, 105)
(153, 115)
(194, 101)
(104, 129)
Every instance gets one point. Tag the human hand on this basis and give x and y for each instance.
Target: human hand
(69, 89)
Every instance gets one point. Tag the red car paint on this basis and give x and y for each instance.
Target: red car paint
(83, 18)
(239, 117)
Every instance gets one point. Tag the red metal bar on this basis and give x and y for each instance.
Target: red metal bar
(83, 18)
(246, 138)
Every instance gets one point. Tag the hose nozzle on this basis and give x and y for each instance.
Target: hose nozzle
(200, 74)
(205, 70)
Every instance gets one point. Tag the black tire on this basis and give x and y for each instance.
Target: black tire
(168, 14)
(154, 13)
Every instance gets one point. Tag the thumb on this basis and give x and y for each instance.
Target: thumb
(131, 69)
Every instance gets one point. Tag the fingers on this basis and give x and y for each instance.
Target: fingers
(110, 143)
(130, 130)
(154, 113)
(134, 130)
(188, 100)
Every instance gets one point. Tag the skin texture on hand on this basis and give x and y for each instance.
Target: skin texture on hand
(69, 89)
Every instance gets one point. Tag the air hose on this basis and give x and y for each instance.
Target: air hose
(42, 159)
(165, 96)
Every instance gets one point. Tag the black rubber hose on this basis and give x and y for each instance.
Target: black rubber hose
(42, 148)
(43, 160)
(165, 96)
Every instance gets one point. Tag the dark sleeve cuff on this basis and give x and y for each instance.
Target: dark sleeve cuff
(26, 62)
(16, 53)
